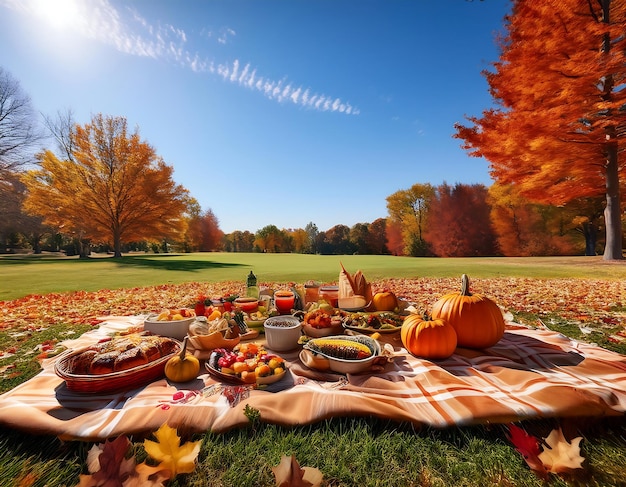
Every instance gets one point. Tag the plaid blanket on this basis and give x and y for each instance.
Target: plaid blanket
(528, 374)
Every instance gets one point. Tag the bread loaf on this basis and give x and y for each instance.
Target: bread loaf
(121, 353)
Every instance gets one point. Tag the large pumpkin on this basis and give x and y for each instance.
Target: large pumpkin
(478, 320)
(428, 338)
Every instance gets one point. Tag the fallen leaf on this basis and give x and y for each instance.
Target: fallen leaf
(147, 476)
(108, 465)
(528, 446)
(168, 451)
(559, 455)
(288, 473)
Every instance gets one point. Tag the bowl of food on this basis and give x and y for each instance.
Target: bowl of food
(216, 339)
(282, 332)
(341, 354)
(320, 323)
(173, 323)
(247, 304)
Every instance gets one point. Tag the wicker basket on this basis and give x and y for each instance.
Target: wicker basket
(115, 381)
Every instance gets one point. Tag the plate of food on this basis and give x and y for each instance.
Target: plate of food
(378, 321)
(247, 363)
(123, 362)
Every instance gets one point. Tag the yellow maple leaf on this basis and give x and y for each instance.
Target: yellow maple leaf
(168, 451)
(559, 455)
(288, 473)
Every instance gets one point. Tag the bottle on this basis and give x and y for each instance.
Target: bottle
(252, 290)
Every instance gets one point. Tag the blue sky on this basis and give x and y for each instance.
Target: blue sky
(279, 112)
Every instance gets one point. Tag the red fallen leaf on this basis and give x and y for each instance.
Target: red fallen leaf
(107, 463)
(528, 446)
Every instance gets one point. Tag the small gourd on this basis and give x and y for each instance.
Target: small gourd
(182, 367)
(477, 320)
(385, 301)
(428, 338)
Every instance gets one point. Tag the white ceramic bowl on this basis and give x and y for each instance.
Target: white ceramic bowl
(282, 332)
(318, 360)
(177, 329)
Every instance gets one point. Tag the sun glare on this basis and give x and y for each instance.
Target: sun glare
(59, 14)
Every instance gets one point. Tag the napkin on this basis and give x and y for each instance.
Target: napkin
(354, 285)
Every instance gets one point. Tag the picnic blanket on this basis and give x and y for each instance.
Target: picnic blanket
(528, 374)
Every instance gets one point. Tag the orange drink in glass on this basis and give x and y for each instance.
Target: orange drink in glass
(284, 301)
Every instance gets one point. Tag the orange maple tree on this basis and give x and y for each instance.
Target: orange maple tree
(525, 229)
(557, 129)
(114, 189)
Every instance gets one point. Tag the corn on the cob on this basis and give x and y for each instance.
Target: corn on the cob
(343, 349)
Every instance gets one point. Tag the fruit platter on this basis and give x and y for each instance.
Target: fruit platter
(247, 363)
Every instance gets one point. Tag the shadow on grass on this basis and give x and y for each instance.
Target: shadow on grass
(151, 261)
(165, 262)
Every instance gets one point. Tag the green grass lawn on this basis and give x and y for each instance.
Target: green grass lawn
(21, 275)
(349, 451)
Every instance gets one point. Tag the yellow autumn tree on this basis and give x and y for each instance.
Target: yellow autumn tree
(409, 208)
(113, 189)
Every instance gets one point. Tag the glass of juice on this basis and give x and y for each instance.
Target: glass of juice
(284, 301)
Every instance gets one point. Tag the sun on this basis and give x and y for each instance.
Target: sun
(59, 14)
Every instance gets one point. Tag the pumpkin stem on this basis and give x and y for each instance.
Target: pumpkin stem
(465, 289)
(183, 351)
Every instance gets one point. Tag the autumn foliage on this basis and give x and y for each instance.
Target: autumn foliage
(459, 223)
(113, 189)
(559, 122)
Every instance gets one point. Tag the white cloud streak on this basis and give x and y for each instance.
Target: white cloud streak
(98, 20)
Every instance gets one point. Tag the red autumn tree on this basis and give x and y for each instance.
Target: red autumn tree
(459, 223)
(393, 234)
(560, 122)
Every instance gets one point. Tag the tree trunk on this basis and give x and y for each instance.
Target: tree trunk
(591, 237)
(83, 249)
(117, 244)
(612, 210)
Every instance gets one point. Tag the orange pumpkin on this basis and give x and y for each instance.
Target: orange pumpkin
(385, 301)
(477, 320)
(428, 338)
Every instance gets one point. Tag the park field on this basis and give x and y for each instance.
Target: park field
(581, 297)
(21, 275)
